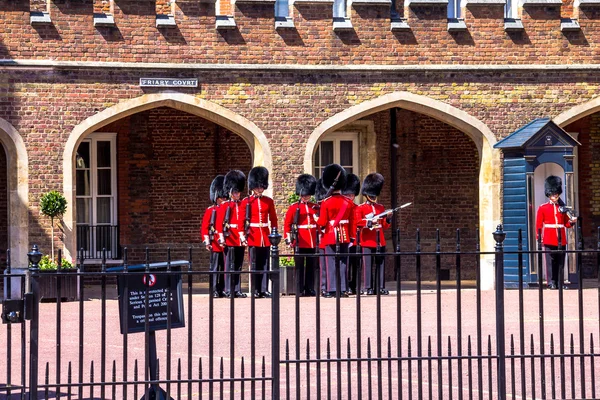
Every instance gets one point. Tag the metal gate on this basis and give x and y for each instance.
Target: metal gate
(439, 338)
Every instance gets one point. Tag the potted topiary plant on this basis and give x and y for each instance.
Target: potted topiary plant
(50, 276)
(53, 204)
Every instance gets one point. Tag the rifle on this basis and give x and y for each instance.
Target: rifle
(211, 225)
(568, 210)
(372, 218)
(332, 187)
(226, 226)
(294, 230)
(247, 220)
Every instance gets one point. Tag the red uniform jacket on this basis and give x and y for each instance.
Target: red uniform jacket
(337, 218)
(550, 221)
(262, 210)
(236, 223)
(307, 225)
(368, 237)
(205, 227)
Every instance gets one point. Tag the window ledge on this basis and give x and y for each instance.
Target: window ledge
(312, 1)
(342, 24)
(485, 2)
(421, 3)
(39, 18)
(399, 25)
(456, 25)
(540, 2)
(513, 25)
(104, 20)
(587, 3)
(372, 2)
(284, 23)
(569, 25)
(165, 21)
(225, 22)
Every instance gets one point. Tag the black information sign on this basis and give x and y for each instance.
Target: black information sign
(165, 298)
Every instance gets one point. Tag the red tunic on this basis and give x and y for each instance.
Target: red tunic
(368, 237)
(337, 218)
(307, 227)
(215, 246)
(262, 211)
(236, 223)
(549, 220)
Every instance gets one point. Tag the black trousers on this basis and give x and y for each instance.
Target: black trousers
(259, 261)
(353, 264)
(217, 264)
(305, 269)
(373, 268)
(234, 259)
(330, 267)
(554, 263)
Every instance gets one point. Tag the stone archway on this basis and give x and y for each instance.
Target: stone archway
(248, 131)
(477, 131)
(18, 193)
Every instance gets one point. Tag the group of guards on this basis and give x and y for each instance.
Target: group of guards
(331, 225)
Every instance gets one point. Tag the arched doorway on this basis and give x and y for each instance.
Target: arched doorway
(161, 152)
(465, 130)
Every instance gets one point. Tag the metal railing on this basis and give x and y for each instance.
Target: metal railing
(427, 339)
(94, 238)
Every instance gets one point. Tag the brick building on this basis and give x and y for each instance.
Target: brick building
(419, 91)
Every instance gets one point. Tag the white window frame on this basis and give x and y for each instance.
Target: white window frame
(513, 11)
(93, 140)
(336, 138)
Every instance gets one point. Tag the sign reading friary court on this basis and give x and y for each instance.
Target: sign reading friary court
(169, 82)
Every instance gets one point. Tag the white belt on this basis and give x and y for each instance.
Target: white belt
(343, 221)
(554, 226)
(309, 226)
(259, 225)
(233, 225)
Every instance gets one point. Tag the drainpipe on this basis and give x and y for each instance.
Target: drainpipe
(394, 169)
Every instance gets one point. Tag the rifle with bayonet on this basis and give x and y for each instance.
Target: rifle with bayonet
(294, 228)
(226, 226)
(211, 226)
(247, 220)
(374, 217)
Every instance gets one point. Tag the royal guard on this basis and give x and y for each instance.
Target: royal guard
(300, 232)
(320, 193)
(259, 215)
(335, 215)
(352, 190)
(210, 235)
(371, 234)
(230, 224)
(552, 222)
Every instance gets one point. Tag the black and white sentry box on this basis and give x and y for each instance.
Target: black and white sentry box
(169, 82)
(163, 291)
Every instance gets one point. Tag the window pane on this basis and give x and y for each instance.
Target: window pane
(103, 152)
(82, 159)
(83, 211)
(326, 153)
(349, 170)
(103, 210)
(346, 153)
(82, 182)
(104, 182)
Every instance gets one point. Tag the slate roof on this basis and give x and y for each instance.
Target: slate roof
(519, 137)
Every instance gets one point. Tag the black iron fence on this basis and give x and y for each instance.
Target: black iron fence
(92, 240)
(154, 337)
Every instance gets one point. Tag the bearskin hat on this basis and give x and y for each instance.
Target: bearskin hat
(330, 172)
(235, 180)
(372, 184)
(217, 190)
(306, 185)
(553, 185)
(258, 178)
(352, 185)
(320, 191)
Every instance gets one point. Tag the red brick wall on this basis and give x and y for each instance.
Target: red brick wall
(135, 38)
(167, 160)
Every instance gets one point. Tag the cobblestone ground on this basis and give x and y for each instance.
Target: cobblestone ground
(232, 350)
